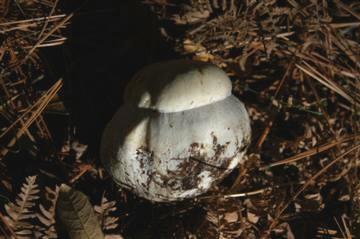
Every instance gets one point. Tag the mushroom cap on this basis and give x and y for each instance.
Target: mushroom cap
(177, 85)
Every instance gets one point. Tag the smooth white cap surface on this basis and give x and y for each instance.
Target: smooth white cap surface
(177, 86)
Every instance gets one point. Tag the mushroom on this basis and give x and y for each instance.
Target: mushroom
(179, 132)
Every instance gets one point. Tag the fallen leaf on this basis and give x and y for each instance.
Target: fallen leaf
(77, 215)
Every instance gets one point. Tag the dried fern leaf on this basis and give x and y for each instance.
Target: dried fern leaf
(46, 229)
(21, 211)
(104, 210)
(76, 213)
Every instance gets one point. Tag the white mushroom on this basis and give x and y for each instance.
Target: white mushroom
(179, 132)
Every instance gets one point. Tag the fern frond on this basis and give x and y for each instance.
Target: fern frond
(46, 229)
(104, 210)
(20, 212)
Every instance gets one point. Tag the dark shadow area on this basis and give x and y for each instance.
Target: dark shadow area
(108, 42)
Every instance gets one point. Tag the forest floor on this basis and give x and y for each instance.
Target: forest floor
(294, 63)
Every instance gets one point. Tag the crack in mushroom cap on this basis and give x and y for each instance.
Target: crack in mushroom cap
(177, 85)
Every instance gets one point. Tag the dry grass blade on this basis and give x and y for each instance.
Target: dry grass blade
(308, 183)
(47, 21)
(307, 69)
(344, 25)
(341, 232)
(32, 21)
(24, 25)
(344, 232)
(346, 226)
(342, 43)
(328, 233)
(310, 152)
(46, 36)
(237, 195)
(348, 9)
(20, 119)
(34, 113)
